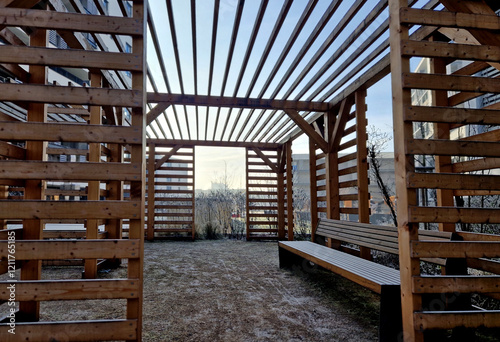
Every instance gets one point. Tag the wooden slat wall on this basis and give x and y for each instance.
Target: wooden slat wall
(170, 192)
(267, 188)
(463, 147)
(34, 204)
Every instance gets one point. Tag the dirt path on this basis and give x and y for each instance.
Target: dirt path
(235, 291)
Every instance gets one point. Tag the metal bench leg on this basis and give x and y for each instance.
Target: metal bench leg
(390, 327)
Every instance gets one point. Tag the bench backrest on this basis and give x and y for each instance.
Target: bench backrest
(381, 238)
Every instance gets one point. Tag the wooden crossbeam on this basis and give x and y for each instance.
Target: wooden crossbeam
(167, 156)
(156, 111)
(307, 128)
(266, 159)
(338, 129)
(237, 102)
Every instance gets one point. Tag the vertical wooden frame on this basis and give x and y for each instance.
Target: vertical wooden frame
(281, 198)
(138, 155)
(193, 210)
(151, 191)
(403, 131)
(289, 191)
(94, 187)
(247, 204)
(313, 188)
(362, 164)
(35, 189)
(442, 131)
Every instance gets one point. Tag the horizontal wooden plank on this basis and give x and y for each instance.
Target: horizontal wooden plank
(262, 207)
(70, 234)
(71, 21)
(456, 284)
(186, 222)
(452, 148)
(348, 171)
(449, 320)
(445, 50)
(476, 165)
(70, 171)
(352, 211)
(347, 144)
(70, 95)
(68, 110)
(70, 58)
(262, 215)
(263, 223)
(449, 19)
(455, 249)
(22, 131)
(467, 236)
(32, 209)
(450, 82)
(44, 290)
(235, 102)
(347, 157)
(73, 249)
(453, 215)
(256, 230)
(12, 151)
(174, 214)
(452, 181)
(452, 115)
(476, 192)
(104, 330)
(258, 185)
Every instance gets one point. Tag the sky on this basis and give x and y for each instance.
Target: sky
(211, 163)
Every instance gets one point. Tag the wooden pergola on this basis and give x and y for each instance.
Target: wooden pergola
(306, 69)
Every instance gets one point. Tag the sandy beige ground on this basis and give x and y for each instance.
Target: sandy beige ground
(230, 290)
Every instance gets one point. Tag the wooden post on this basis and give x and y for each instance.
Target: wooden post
(247, 195)
(281, 198)
(138, 155)
(34, 189)
(94, 187)
(313, 187)
(115, 190)
(362, 165)
(151, 191)
(442, 131)
(403, 131)
(289, 190)
(193, 199)
(4, 194)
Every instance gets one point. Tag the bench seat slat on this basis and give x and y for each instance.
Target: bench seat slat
(364, 272)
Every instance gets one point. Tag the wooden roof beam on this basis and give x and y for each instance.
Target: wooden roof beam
(238, 102)
(170, 142)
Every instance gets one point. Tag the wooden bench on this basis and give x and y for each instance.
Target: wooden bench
(378, 278)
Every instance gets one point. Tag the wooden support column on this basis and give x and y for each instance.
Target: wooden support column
(362, 165)
(403, 132)
(94, 187)
(313, 187)
(247, 195)
(4, 194)
(442, 131)
(332, 168)
(138, 155)
(289, 190)
(34, 189)
(151, 191)
(193, 230)
(281, 198)
(115, 190)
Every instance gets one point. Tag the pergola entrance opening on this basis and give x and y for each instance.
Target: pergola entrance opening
(171, 189)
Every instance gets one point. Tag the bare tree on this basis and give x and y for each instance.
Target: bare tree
(377, 141)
